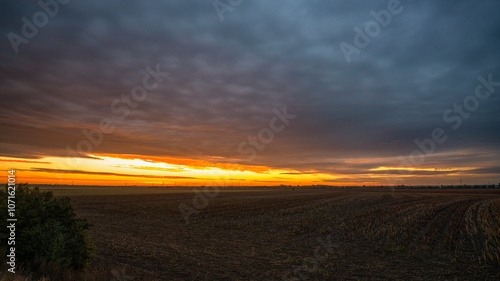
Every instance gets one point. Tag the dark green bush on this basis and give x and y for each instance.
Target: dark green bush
(47, 230)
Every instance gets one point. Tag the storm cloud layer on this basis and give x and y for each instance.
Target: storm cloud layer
(226, 77)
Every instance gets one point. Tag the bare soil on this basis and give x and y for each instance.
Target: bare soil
(301, 234)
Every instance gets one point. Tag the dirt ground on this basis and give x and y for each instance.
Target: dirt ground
(300, 234)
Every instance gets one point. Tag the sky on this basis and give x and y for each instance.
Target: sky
(250, 92)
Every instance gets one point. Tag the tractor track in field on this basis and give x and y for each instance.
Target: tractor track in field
(262, 235)
(438, 245)
(495, 219)
(480, 234)
(414, 241)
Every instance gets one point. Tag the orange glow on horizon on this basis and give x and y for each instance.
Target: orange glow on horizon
(142, 170)
(111, 169)
(417, 169)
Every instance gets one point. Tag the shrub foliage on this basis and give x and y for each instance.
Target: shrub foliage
(47, 230)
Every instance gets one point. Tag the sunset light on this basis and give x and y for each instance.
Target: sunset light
(249, 140)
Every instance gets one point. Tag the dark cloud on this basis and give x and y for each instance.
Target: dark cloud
(226, 77)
